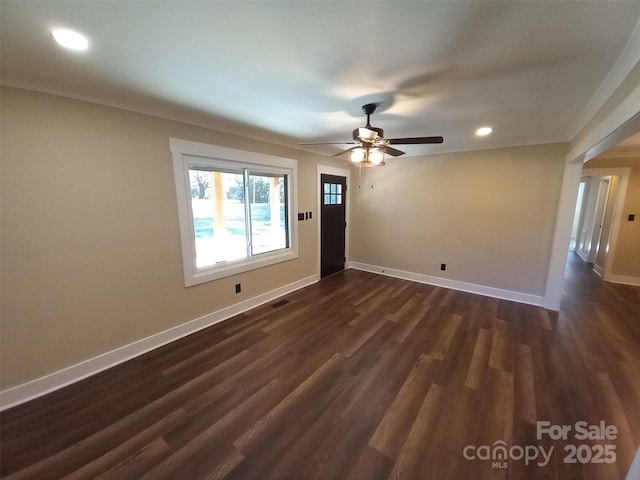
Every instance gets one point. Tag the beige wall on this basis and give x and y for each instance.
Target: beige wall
(627, 260)
(489, 215)
(627, 251)
(91, 255)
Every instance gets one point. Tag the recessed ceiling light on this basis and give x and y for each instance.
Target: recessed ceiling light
(484, 131)
(70, 39)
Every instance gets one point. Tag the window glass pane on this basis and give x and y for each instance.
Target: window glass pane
(327, 188)
(269, 226)
(339, 200)
(217, 203)
(333, 188)
(327, 199)
(339, 186)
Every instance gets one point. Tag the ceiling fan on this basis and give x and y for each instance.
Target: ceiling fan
(371, 146)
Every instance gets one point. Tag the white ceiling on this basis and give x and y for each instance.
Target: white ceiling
(299, 71)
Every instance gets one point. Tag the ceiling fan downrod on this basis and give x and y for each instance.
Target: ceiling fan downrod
(368, 110)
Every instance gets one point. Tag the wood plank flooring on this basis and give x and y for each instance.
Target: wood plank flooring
(360, 376)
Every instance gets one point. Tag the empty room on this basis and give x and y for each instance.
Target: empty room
(329, 240)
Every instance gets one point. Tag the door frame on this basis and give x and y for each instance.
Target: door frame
(618, 213)
(341, 172)
(604, 185)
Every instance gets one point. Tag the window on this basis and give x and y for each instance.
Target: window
(332, 194)
(234, 209)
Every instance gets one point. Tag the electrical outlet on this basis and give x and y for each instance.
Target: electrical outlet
(238, 288)
(443, 266)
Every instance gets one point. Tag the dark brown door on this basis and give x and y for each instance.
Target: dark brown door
(333, 198)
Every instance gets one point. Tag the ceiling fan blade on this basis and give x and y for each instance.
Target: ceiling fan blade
(394, 152)
(328, 143)
(344, 151)
(415, 140)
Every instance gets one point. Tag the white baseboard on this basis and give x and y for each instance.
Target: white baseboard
(453, 284)
(635, 281)
(599, 270)
(41, 386)
(584, 257)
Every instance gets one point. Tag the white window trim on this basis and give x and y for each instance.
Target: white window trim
(183, 152)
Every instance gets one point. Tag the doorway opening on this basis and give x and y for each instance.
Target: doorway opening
(598, 216)
(589, 220)
(577, 217)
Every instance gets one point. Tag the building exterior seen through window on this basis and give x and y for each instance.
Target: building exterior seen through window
(236, 214)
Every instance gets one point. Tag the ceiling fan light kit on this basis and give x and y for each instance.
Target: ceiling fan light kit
(367, 156)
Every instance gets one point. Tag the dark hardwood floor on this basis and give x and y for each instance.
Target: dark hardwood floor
(360, 376)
